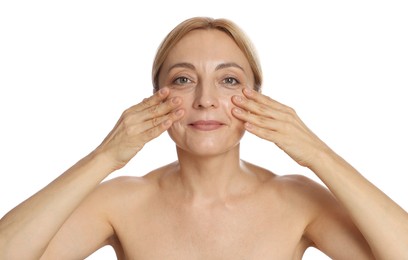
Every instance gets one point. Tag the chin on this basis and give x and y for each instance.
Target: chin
(207, 150)
(206, 143)
(207, 146)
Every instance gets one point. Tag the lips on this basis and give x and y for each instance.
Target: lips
(206, 125)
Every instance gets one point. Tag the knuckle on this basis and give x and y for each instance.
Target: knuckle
(262, 120)
(291, 115)
(269, 99)
(289, 110)
(155, 122)
(126, 113)
(128, 125)
(127, 117)
(171, 116)
(263, 109)
(145, 102)
(139, 146)
(154, 110)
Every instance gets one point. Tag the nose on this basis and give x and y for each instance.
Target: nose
(205, 96)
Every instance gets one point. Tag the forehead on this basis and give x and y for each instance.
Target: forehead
(203, 45)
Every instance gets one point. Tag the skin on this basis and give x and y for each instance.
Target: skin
(209, 204)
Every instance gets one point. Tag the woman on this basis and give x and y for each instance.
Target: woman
(209, 204)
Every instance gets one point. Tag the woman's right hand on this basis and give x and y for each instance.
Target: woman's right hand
(138, 125)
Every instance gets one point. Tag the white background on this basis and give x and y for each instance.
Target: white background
(69, 68)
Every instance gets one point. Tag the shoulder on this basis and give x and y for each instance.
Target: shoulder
(325, 219)
(289, 186)
(123, 184)
(307, 195)
(134, 188)
(299, 185)
(125, 187)
(296, 193)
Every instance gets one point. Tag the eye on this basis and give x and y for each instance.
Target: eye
(230, 81)
(181, 81)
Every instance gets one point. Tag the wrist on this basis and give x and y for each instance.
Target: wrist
(105, 162)
(328, 163)
(323, 158)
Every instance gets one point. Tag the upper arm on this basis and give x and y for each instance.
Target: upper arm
(328, 226)
(331, 229)
(86, 230)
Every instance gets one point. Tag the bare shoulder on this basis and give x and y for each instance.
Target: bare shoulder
(126, 193)
(301, 186)
(326, 222)
(307, 195)
(297, 193)
(132, 187)
(294, 186)
(125, 184)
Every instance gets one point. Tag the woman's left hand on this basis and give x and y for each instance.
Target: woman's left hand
(273, 121)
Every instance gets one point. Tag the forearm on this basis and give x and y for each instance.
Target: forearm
(383, 223)
(29, 227)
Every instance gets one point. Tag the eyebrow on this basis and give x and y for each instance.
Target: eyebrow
(228, 65)
(219, 66)
(182, 65)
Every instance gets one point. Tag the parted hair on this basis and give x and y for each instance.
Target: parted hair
(207, 23)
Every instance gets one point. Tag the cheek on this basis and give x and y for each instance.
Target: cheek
(228, 105)
(176, 131)
(186, 100)
(226, 102)
(177, 126)
(186, 96)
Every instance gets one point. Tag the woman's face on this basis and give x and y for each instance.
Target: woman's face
(206, 68)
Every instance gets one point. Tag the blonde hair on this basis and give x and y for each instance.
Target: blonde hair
(224, 25)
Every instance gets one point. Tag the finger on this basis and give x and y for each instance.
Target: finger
(134, 117)
(263, 133)
(158, 121)
(263, 99)
(164, 125)
(161, 109)
(258, 120)
(155, 122)
(263, 105)
(153, 100)
(253, 107)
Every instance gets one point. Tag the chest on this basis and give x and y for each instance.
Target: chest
(221, 232)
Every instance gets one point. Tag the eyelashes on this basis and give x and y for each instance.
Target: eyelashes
(231, 81)
(182, 80)
(227, 81)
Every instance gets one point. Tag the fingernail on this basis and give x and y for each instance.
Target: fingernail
(179, 112)
(175, 101)
(167, 123)
(163, 91)
(248, 91)
(238, 99)
(238, 110)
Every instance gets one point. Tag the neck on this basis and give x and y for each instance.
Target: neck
(210, 178)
